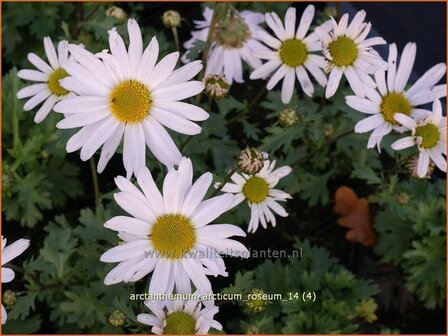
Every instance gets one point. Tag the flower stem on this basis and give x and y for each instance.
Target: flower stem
(227, 179)
(96, 187)
(176, 38)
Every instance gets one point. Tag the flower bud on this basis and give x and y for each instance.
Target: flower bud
(9, 298)
(255, 300)
(216, 86)
(117, 13)
(412, 165)
(250, 161)
(403, 198)
(171, 19)
(328, 130)
(288, 117)
(117, 318)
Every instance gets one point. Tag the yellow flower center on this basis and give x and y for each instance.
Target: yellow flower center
(130, 101)
(256, 189)
(394, 103)
(231, 32)
(53, 82)
(293, 52)
(173, 235)
(343, 51)
(179, 323)
(430, 135)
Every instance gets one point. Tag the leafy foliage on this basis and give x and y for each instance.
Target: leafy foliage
(338, 295)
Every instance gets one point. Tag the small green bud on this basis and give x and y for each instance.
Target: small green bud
(255, 300)
(366, 310)
(403, 198)
(117, 318)
(328, 130)
(288, 117)
(216, 86)
(9, 298)
(171, 19)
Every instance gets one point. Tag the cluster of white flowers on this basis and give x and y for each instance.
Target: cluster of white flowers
(125, 93)
(341, 48)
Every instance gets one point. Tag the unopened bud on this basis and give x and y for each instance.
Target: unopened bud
(117, 13)
(403, 198)
(288, 117)
(328, 130)
(216, 86)
(171, 19)
(117, 318)
(9, 298)
(250, 161)
(255, 301)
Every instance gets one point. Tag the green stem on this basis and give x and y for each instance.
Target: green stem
(219, 9)
(176, 38)
(14, 118)
(96, 187)
(227, 179)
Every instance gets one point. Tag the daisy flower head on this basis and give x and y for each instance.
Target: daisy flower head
(127, 94)
(47, 89)
(169, 233)
(349, 53)
(392, 96)
(235, 37)
(180, 317)
(292, 53)
(429, 135)
(258, 190)
(8, 253)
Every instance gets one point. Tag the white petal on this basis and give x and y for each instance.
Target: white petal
(406, 64)
(175, 122)
(110, 147)
(405, 120)
(33, 75)
(196, 194)
(45, 109)
(333, 82)
(423, 164)
(362, 104)
(163, 273)
(82, 119)
(134, 206)
(354, 81)
(211, 209)
(135, 45)
(128, 224)
(305, 22)
(14, 250)
(392, 67)
(178, 91)
(149, 188)
(403, 143)
(278, 75)
(162, 70)
(369, 123)
(51, 53)
(288, 86)
(126, 251)
(305, 81)
(40, 64)
(36, 100)
(290, 22)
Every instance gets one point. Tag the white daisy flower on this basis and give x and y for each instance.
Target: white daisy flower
(260, 194)
(125, 94)
(391, 96)
(8, 253)
(168, 234)
(180, 318)
(292, 53)
(48, 88)
(349, 53)
(429, 135)
(234, 40)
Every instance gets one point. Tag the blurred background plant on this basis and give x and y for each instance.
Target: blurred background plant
(48, 197)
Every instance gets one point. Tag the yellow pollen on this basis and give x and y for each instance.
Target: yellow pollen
(53, 82)
(343, 51)
(256, 189)
(130, 101)
(293, 52)
(394, 103)
(179, 323)
(173, 236)
(430, 135)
